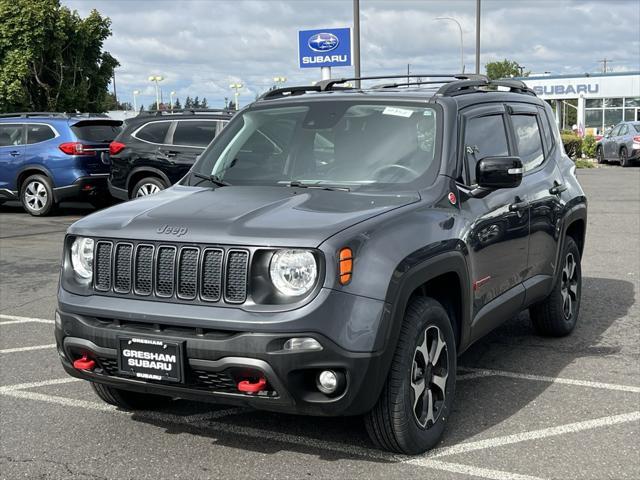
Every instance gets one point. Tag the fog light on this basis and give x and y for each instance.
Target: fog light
(302, 343)
(327, 381)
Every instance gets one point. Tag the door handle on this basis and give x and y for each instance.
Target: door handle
(518, 205)
(557, 188)
(168, 153)
(14, 153)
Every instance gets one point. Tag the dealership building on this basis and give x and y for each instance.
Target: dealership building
(601, 99)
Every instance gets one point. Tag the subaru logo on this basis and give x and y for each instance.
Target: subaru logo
(323, 42)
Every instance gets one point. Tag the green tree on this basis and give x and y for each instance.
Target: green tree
(203, 104)
(188, 103)
(177, 105)
(51, 58)
(505, 69)
(196, 102)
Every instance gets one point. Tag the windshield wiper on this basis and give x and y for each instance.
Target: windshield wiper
(216, 180)
(299, 184)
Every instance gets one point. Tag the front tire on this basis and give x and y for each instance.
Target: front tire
(624, 158)
(600, 156)
(129, 400)
(36, 195)
(557, 315)
(413, 409)
(148, 186)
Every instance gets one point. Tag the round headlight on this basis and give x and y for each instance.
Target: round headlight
(293, 272)
(82, 257)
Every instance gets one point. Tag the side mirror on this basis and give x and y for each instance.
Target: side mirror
(499, 172)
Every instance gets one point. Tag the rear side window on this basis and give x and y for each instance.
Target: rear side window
(637, 127)
(528, 140)
(96, 132)
(484, 137)
(154, 132)
(39, 133)
(11, 135)
(194, 133)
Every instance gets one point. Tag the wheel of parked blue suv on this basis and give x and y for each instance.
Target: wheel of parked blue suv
(624, 157)
(36, 194)
(413, 409)
(557, 315)
(600, 155)
(128, 400)
(148, 186)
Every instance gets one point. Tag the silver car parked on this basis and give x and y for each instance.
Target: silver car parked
(621, 144)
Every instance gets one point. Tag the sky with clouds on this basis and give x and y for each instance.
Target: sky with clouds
(202, 46)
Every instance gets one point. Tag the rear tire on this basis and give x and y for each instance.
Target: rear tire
(148, 186)
(600, 156)
(557, 315)
(624, 158)
(399, 422)
(36, 195)
(129, 400)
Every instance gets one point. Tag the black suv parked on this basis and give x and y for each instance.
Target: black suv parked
(156, 150)
(332, 252)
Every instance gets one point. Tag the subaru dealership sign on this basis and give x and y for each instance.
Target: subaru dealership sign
(328, 47)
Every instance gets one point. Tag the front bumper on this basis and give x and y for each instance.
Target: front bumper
(214, 360)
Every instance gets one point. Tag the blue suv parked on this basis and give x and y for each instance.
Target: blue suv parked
(49, 157)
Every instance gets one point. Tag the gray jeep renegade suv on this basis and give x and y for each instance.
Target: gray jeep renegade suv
(332, 252)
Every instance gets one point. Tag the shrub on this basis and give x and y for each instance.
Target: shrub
(589, 146)
(572, 145)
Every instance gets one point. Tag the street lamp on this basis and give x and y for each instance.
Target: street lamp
(236, 87)
(135, 105)
(171, 94)
(156, 79)
(461, 41)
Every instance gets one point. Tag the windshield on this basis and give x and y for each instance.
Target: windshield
(326, 143)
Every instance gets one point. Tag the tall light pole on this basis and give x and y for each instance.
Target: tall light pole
(461, 40)
(156, 79)
(477, 36)
(171, 94)
(356, 41)
(236, 87)
(135, 105)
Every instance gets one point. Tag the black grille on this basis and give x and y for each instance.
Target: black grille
(165, 274)
(122, 273)
(211, 274)
(109, 365)
(144, 270)
(236, 281)
(171, 272)
(214, 381)
(103, 266)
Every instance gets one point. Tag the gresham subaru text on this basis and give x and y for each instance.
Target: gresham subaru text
(332, 252)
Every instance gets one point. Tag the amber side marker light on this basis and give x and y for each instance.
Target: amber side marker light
(346, 265)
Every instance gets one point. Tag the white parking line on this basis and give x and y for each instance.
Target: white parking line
(535, 434)
(44, 383)
(470, 470)
(12, 319)
(542, 378)
(27, 349)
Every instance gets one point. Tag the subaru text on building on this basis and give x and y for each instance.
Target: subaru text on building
(332, 252)
(49, 157)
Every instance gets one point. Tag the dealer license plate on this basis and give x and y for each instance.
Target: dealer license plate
(150, 359)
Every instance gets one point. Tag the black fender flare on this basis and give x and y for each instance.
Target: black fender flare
(575, 212)
(155, 172)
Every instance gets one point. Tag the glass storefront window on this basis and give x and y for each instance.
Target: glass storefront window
(612, 102)
(593, 118)
(632, 102)
(593, 103)
(612, 116)
(629, 115)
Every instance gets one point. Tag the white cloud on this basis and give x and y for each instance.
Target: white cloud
(202, 46)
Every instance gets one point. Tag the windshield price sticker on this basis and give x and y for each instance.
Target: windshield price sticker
(398, 112)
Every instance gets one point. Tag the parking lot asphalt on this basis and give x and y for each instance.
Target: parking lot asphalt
(526, 406)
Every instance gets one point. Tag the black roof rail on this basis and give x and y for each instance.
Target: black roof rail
(185, 111)
(289, 91)
(328, 84)
(33, 114)
(469, 86)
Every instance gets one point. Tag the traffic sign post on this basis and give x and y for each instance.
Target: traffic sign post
(324, 48)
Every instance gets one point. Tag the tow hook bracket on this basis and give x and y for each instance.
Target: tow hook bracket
(248, 387)
(84, 363)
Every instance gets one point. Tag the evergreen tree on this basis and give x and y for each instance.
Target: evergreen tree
(196, 102)
(177, 105)
(188, 103)
(203, 104)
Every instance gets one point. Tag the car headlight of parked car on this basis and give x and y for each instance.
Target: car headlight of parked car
(82, 257)
(293, 272)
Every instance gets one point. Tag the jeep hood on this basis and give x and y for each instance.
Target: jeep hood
(240, 215)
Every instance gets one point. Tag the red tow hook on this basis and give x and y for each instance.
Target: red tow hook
(84, 363)
(248, 387)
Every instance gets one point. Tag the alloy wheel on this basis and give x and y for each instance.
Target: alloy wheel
(147, 189)
(569, 286)
(35, 195)
(429, 375)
